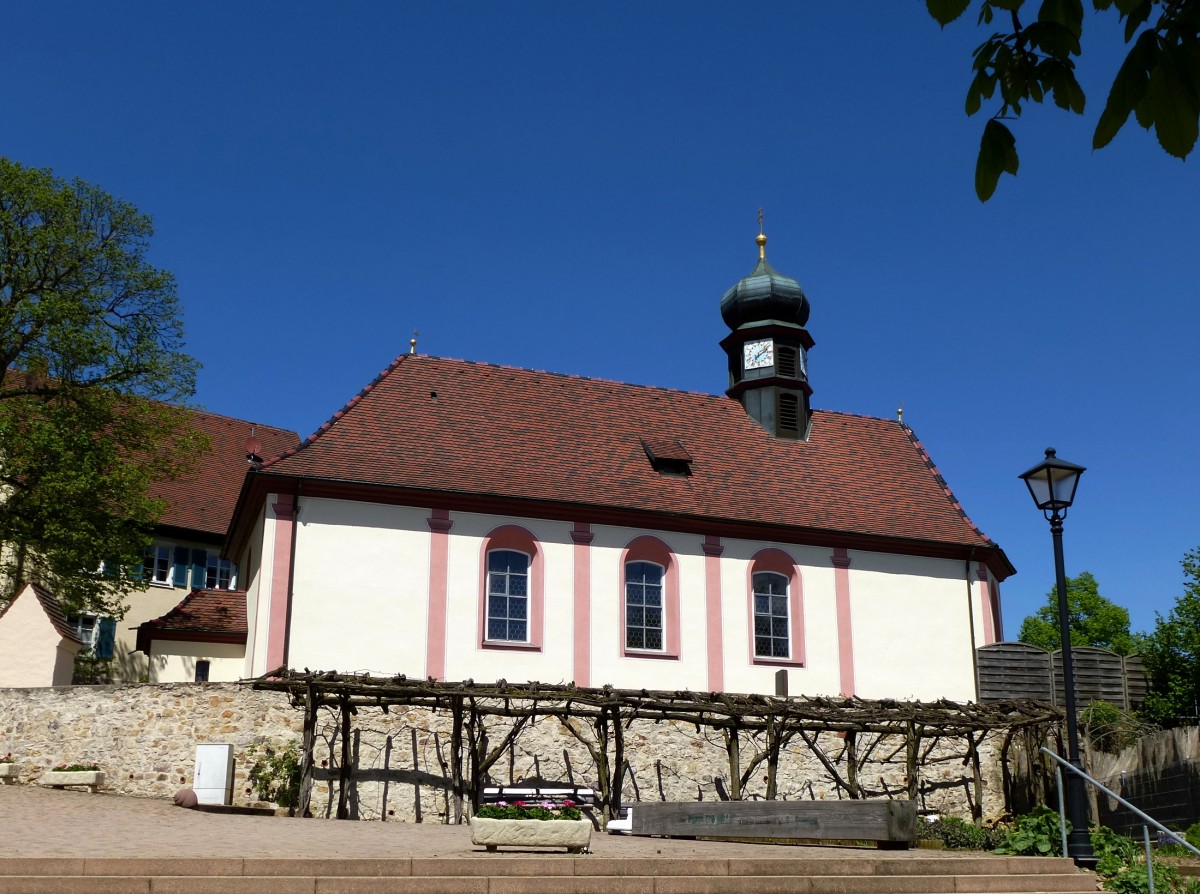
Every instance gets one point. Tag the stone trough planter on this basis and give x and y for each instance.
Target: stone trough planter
(60, 778)
(574, 835)
(9, 771)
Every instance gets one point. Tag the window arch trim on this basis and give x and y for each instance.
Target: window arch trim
(777, 561)
(650, 549)
(516, 539)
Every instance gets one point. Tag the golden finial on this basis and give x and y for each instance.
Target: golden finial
(412, 342)
(900, 413)
(761, 239)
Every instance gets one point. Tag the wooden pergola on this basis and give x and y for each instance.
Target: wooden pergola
(599, 718)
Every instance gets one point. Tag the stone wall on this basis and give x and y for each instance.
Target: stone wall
(144, 738)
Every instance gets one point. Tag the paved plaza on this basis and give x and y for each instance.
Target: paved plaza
(41, 822)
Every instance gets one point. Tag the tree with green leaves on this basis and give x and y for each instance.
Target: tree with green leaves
(1033, 58)
(91, 359)
(1172, 655)
(1092, 619)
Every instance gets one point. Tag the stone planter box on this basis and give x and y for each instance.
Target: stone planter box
(9, 772)
(574, 835)
(59, 778)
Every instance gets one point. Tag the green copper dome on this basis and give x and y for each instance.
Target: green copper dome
(766, 294)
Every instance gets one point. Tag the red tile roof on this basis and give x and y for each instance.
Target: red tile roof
(204, 500)
(208, 615)
(51, 607)
(441, 426)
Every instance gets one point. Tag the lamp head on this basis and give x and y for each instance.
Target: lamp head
(1052, 483)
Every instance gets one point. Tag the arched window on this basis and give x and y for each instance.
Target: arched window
(776, 618)
(508, 596)
(510, 604)
(649, 600)
(772, 622)
(643, 606)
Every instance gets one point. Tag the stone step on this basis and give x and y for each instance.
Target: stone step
(540, 865)
(629, 884)
(548, 874)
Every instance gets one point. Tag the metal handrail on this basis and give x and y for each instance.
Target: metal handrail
(1145, 817)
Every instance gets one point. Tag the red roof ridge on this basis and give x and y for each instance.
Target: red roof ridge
(941, 481)
(200, 411)
(576, 376)
(363, 392)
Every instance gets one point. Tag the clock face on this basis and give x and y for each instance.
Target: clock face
(758, 354)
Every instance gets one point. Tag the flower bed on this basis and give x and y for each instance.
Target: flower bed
(88, 774)
(519, 824)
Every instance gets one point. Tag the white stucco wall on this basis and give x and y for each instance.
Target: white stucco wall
(260, 556)
(361, 603)
(175, 662)
(361, 587)
(912, 636)
(32, 651)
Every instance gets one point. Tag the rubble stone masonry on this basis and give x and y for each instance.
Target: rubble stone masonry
(144, 737)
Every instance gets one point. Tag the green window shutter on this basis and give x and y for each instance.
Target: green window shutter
(180, 575)
(105, 638)
(199, 568)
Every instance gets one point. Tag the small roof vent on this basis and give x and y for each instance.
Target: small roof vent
(667, 456)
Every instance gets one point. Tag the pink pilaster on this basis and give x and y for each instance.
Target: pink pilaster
(280, 609)
(439, 572)
(990, 608)
(712, 606)
(582, 537)
(841, 590)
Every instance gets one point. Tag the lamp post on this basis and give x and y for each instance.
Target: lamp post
(1052, 484)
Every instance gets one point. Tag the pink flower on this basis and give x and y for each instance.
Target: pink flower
(519, 803)
(501, 803)
(568, 803)
(549, 805)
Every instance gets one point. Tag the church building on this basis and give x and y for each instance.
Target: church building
(464, 520)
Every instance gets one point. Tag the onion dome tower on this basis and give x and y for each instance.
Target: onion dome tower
(768, 347)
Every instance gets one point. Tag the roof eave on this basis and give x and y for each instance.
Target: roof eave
(985, 551)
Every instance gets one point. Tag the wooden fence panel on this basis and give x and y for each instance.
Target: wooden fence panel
(1013, 670)
(1099, 676)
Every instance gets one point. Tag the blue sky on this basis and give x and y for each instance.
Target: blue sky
(572, 187)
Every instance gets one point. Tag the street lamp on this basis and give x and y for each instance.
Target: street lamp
(1052, 484)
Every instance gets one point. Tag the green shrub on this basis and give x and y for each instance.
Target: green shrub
(1121, 862)
(1035, 834)
(1111, 729)
(961, 835)
(275, 774)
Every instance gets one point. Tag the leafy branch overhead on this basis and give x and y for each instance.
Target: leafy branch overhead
(1158, 83)
(91, 348)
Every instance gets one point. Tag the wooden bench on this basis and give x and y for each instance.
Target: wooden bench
(582, 796)
(891, 824)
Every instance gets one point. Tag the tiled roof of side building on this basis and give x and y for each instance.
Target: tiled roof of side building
(50, 606)
(204, 500)
(460, 427)
(203, 614)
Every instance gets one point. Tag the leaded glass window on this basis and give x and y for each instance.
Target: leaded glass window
(772, 637)
(508, 596)
(643, 606)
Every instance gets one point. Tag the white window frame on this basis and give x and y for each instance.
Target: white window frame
(213, 565)
(661, 608)
(159, 557)
(771, 615)
(528, 575)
